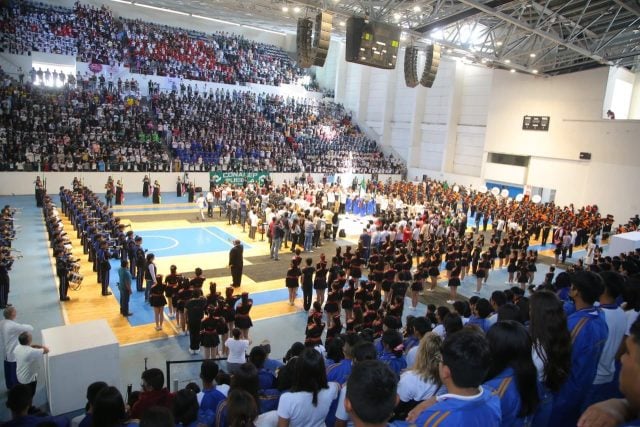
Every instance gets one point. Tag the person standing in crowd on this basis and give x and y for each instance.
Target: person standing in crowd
(109, 194)
(156, 193)
(28, 357)
(307, 284)
(140, 263)
(195, 309)
(588, 330)
(124, 286)
(237, 349)
(157, 300)
(10, 330)
(236, 262)
(119, 193)
(150, 275)
(146, 186)
(466, 359)
(201, 203)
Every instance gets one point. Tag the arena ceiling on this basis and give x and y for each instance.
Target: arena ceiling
(534, 36)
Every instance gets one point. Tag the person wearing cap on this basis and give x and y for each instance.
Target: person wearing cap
(236, 263)
(589, 333)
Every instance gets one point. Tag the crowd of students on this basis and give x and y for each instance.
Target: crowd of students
(95, 35)
(98, 127)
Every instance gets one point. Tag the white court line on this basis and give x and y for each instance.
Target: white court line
(228, 242)
(175, 243)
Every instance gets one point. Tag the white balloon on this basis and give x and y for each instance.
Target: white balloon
(536, 198)
(483, 189)
(456, 188)
(495, 191)
(504, 193)
(519, 197)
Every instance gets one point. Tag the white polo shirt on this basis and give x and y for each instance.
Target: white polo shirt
(9, 332)
(27, 362)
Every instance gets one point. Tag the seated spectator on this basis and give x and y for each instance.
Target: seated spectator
(153, 393)
(371, 394)
(185, 408)
(309, 400)
(92, 392)
(19, 402)
(109, 409)
(466, 358)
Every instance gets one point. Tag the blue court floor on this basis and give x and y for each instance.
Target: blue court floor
(187, 241)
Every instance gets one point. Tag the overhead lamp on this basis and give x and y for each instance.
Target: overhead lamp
(533, 55)
(513, 70)
(285, 9)
(507, 61)
(396, 16)
(296, 9)
(416, 8)
(534, 71)
(498, 43)
(342, 23)
(122, 1)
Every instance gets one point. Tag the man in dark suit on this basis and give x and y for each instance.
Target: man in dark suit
(236, 262)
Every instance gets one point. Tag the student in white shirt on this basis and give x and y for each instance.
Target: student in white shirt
(28, 357)
(9, 332)
(422, 380)
(310, 398)
(237, 350)
(201, 203)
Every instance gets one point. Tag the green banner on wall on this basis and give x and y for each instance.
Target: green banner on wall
(237, 178)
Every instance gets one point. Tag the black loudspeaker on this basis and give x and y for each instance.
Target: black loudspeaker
(585, 156)
(431, 65)
(411, 66)
(303, 42)
(322, 38)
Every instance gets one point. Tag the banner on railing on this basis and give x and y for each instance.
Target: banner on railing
(237, 178)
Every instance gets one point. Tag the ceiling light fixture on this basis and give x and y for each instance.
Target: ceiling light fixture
(342, 23)
(285, 9)
(416, 8)
(513, 70)
(161, 9)
(534, 71)
(122, 1)
(296, 9)
(498, 43)
(533, 55)
(507, 61)
(215, 20)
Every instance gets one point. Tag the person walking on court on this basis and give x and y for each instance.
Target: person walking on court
(201, 203)
(236, 263)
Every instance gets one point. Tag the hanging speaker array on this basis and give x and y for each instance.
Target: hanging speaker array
(411, 66)
(432, 62)
(313, 44)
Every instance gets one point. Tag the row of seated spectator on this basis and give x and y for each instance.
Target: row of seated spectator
(100, 126)
(95, 35)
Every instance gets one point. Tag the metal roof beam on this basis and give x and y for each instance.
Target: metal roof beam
(628, 6)
(458, 17)
(491, 11)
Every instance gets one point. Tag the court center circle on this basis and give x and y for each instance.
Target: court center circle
(166, 248)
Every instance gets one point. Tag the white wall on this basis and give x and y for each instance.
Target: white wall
(19, 183)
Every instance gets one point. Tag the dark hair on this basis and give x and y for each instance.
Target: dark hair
(108, 408)
(372, 391)
(393, 339)
(310, 374)
(563, 280)
(364, 350)
(154, 377)
(157, 416)
(236, 333)
(246, 378)
(588, 284)
(23, 338)
(483, 308)
(452, 323)
(510, 346)
(19, 398)
(441, 312)
(335, 349)
(295, 350)
(92, 392)
(613, 283)
(466, 353)
(242, 409)
(185, 407)
(421, 325)
(208, 371)
(257, 356)
(550, 333)
(499, 298)
(509, 311)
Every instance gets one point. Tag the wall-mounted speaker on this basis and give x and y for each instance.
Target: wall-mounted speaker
(304, 40)
(322, 38)
(585, 156)
(411, 66)
(431, 65)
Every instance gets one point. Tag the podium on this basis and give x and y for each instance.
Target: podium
(624, 242)
(79, 355)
